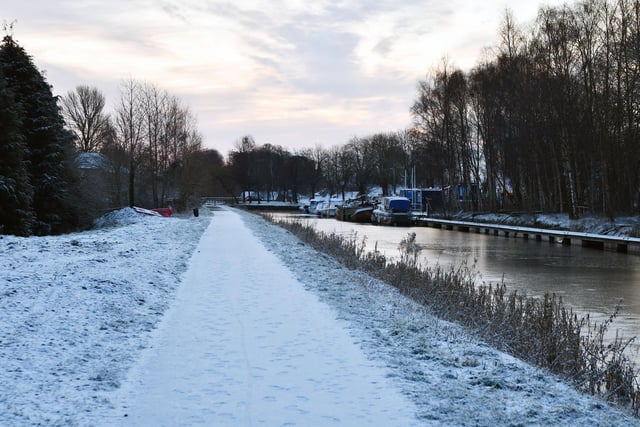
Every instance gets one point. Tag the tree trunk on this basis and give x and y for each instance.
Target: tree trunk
(132, 180)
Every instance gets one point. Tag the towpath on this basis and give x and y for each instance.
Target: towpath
(245, 344)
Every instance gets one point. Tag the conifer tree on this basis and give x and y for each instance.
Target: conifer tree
(16, 193)
(48, 144)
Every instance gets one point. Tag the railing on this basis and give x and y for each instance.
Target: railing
(216, 201)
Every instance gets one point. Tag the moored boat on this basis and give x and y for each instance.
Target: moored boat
(310, 207)
(356, 210)
(392, 211)
(327, 208)
(362, 214)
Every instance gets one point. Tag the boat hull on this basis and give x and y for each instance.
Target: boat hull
(387, 218)
(362, 214)
(354, 213)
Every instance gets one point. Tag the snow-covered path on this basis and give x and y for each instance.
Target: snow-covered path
(245, 345)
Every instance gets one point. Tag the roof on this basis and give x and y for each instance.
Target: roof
(87, 160)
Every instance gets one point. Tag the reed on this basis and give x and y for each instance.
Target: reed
(542, 331)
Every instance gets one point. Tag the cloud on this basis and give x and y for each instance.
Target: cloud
(326, 70)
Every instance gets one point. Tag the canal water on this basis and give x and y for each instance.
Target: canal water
(589, 280)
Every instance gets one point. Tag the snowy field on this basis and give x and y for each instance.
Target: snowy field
(83, 318)
(75, 311)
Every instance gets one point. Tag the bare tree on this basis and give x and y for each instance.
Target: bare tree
(129, 124)
(331, 170)
(118, 159)
(315, 174)
(241, 160)
(155, 103)
(387, 159)
(346, 169)
(511, 39)
(361, 155)
(180, 140)
(83, 112)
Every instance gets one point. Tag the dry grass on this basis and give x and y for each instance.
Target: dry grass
(541, 331)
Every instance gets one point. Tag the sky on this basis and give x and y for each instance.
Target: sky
(293, 73)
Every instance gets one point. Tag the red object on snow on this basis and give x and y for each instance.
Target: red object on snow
(163, 211)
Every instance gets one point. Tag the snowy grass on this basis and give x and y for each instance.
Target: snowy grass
(541, 331)
(76, 309)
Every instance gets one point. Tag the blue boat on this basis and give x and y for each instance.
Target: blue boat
(392, 210)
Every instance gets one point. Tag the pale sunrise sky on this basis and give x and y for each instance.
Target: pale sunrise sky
(293, 73)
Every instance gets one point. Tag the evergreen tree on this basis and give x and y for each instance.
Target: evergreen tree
(16, 193)
(48, 144)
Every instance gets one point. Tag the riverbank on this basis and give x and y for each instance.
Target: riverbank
(79, 313)
(453, 378)
(623, 226)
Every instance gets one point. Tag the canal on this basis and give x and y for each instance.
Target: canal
(589, 280)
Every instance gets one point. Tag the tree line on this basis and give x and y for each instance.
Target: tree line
(148, 152)
(379, 160)
(551, 122)
(150, 141)
(548, 121)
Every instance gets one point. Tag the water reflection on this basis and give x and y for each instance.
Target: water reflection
(589, 280)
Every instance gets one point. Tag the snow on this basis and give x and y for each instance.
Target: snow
(267, 361)
(93, 161)
(229, 320)
(122, 217)
(76, 309)
(620, 226)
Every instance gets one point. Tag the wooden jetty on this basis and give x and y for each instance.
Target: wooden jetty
(564, 237)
